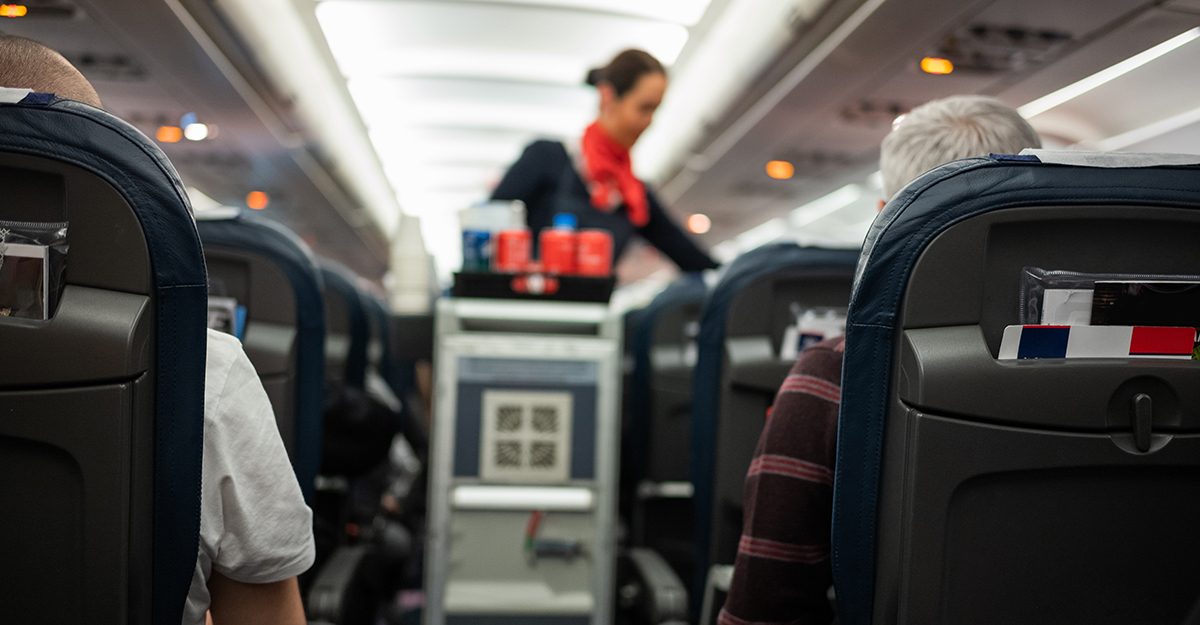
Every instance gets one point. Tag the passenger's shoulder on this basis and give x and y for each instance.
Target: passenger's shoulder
(222, 347)
(822, 358)
(222, 353)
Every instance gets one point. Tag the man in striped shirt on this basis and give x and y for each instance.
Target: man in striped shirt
(782, 573)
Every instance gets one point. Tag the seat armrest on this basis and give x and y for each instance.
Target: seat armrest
(663, 597)
(719, 578)
(648, 490)
(328, 597)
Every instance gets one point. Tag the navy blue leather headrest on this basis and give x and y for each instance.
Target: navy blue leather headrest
(294, 258)
(43, 126)
(924, 209)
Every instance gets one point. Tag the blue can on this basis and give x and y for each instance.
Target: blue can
(477, 250)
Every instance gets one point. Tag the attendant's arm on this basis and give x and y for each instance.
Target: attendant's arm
(237, 603)
(662, 232)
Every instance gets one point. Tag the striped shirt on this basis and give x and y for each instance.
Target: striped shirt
(782, 571)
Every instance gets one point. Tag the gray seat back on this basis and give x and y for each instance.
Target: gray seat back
(259, 284)
(272, 273)
(758, 318)
(976, 490)
(738, 370)
(101, 406)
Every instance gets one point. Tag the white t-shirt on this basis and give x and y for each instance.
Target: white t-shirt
(254, 525)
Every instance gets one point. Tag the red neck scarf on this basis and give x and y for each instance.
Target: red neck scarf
(608, 165)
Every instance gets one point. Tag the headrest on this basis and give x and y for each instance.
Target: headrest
(1081, 158)
(9, 95)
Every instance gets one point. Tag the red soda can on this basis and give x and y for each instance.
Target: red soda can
(595, 253)
(558, 250)
(513, 251)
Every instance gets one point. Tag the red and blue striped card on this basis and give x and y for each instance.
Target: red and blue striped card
(1033, 342)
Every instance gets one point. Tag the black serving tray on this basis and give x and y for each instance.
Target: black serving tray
(533, 286)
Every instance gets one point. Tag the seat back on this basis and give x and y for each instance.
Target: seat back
(975, 490)
(663, 354)
(358, 426)
(663, 359)
(738, 371)
(102, 405)
(379, 348)
(346, 328)
(631, 458)
(411, 343)
(271, 272)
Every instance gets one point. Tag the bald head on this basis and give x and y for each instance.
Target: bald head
(27, 64)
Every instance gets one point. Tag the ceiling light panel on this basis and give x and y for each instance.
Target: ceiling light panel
(685, 12)
(409, 103)
(1081, 87)
(417, 146)
(485, 40)
(454, 178)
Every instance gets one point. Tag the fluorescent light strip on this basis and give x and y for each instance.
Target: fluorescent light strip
(762, 234)
(1076, 89)
(826, 205)
(686, 12)
(1144, 133)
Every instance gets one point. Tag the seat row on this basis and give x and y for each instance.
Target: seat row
(102, 403)
(966, 485)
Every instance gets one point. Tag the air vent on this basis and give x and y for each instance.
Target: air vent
(765, 187)
(111, 67)
(873, 113)
(993, 48)
(526, 436)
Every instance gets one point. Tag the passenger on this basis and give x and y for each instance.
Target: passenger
(255, 530)
(782, 572)
(594, 178)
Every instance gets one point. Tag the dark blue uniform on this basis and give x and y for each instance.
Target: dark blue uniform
(545, 179)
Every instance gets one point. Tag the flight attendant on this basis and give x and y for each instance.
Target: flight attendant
(593, 179)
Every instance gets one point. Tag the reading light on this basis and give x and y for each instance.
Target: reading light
(780, 170)
(257, 200)
(698, 223)
(195, 131)
(169, 134)
(936, 65)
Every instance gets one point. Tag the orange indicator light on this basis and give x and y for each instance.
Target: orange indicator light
(169, 134)
(13, 10)
(935, 65)
(257, 200)
(781, 170)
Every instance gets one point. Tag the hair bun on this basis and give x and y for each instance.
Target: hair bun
(594, 76)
